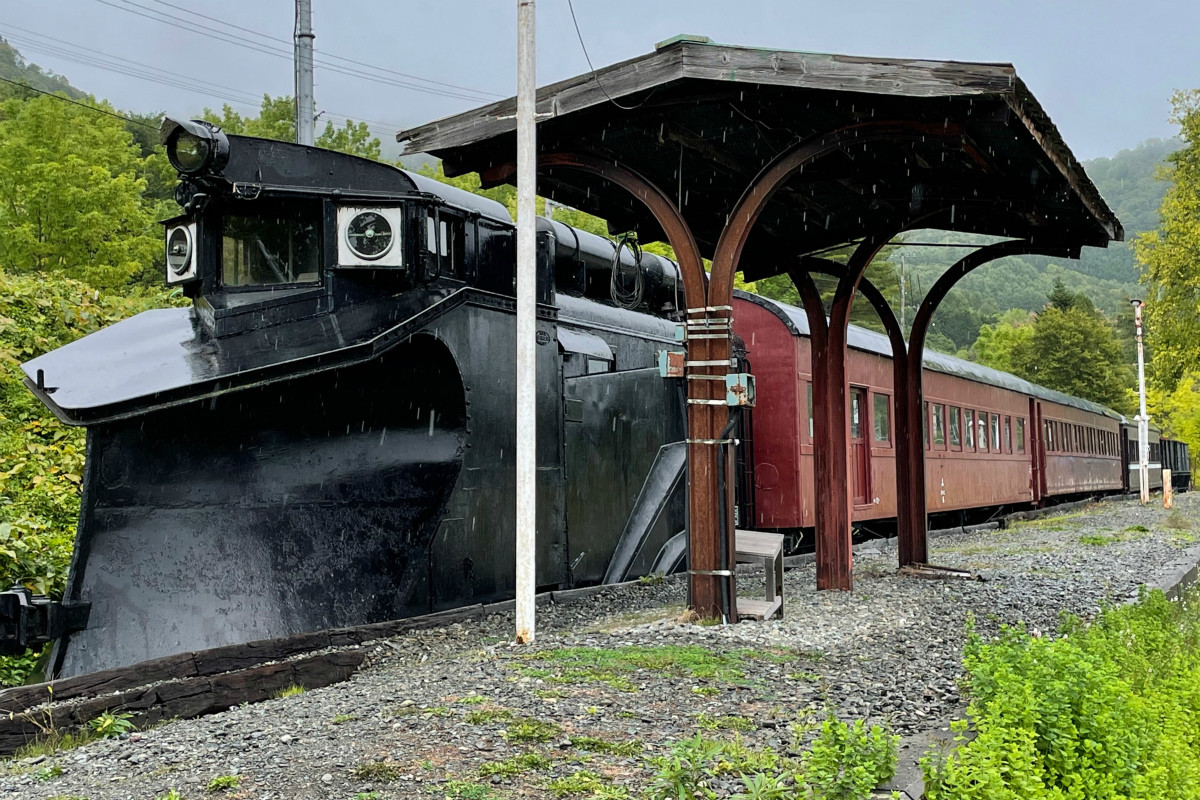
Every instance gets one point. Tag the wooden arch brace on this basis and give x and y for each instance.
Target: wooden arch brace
(802, 278)
(911, 518)
(711, 588)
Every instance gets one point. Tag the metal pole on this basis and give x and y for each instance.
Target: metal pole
(305, 105)
(1143, 419)
(526, 322)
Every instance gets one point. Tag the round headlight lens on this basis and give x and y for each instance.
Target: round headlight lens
(188, 152)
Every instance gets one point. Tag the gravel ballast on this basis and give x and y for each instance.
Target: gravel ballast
(430, 708)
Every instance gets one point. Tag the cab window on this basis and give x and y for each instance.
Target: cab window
(278, 245)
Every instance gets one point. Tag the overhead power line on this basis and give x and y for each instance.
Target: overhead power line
(330, 55)
(257, 45)
(66, 99)
(147, 72)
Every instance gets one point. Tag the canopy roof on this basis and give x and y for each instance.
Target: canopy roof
(923, 144)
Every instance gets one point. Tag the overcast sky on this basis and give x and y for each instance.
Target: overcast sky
(1103, 69)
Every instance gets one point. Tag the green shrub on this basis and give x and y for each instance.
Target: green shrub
(41, 459)
(845, 762)
(1107, 710)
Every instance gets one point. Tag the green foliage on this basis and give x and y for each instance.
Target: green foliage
(484, 716)
(172, 794)
(1109, 710)
(222, 783)
(1069, 347)
(581, 782)
(515, 765)
(14, 67)
(1178, 410)
(71, 199)
(531, 730)
(597, 745)
(613, 666)
(467, 790)
(381, 771)
(1170, 256)
(277, 120)
(41, 460)
(288, 691)
(109, 725)
(48, 773)
(846, 762)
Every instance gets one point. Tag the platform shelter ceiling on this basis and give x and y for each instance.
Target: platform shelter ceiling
(951, 145)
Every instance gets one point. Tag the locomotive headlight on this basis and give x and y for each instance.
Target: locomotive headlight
(194, 146)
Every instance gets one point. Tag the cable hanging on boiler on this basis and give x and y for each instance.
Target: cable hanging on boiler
(627, 297)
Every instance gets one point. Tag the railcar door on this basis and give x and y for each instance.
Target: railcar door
(860, 467)
(1037, 452)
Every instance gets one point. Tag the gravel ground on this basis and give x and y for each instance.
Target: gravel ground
(429, 708)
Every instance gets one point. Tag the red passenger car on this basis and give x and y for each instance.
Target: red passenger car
(991, 439)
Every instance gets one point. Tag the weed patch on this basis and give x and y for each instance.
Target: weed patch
(222, 783)
(582, 782)
(594, 744)
(484, 716)
(466, 790)
(377, 771)
(288, 691)
(708, 722)
(531, 730)
(615, 666)
(515, 765)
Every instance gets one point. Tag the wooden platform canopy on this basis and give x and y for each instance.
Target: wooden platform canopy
(761, 160)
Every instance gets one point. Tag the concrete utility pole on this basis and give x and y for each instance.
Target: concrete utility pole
(526, 322)
(305, 106)
(1143, 419)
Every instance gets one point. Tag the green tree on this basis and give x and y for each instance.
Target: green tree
(1075, 351)
(277, 120)
(1004, 344)
(70, 193)
(1170, 256)
(1179, 411)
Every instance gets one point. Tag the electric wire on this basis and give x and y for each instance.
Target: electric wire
(595, 77)
(328, 54)
(96, 58)
(286, 54)
(66, 99)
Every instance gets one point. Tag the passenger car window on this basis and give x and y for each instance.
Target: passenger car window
(939, 424)
(969, 428)
(955, 428)
(883, 422)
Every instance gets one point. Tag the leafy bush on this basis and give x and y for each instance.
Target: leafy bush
(109, 725)
(844, 762)
(848, 761)
(1107, 710)
(41, 460)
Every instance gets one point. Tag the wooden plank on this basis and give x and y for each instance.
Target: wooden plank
(556, 100)
(185, 698)
(903, 77)
(109, 680)
(759, 545)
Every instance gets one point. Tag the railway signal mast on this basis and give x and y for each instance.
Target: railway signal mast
(1143, 419)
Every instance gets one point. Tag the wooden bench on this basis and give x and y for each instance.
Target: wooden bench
(754, 547)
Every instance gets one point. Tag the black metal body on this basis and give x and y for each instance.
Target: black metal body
(291, 458)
